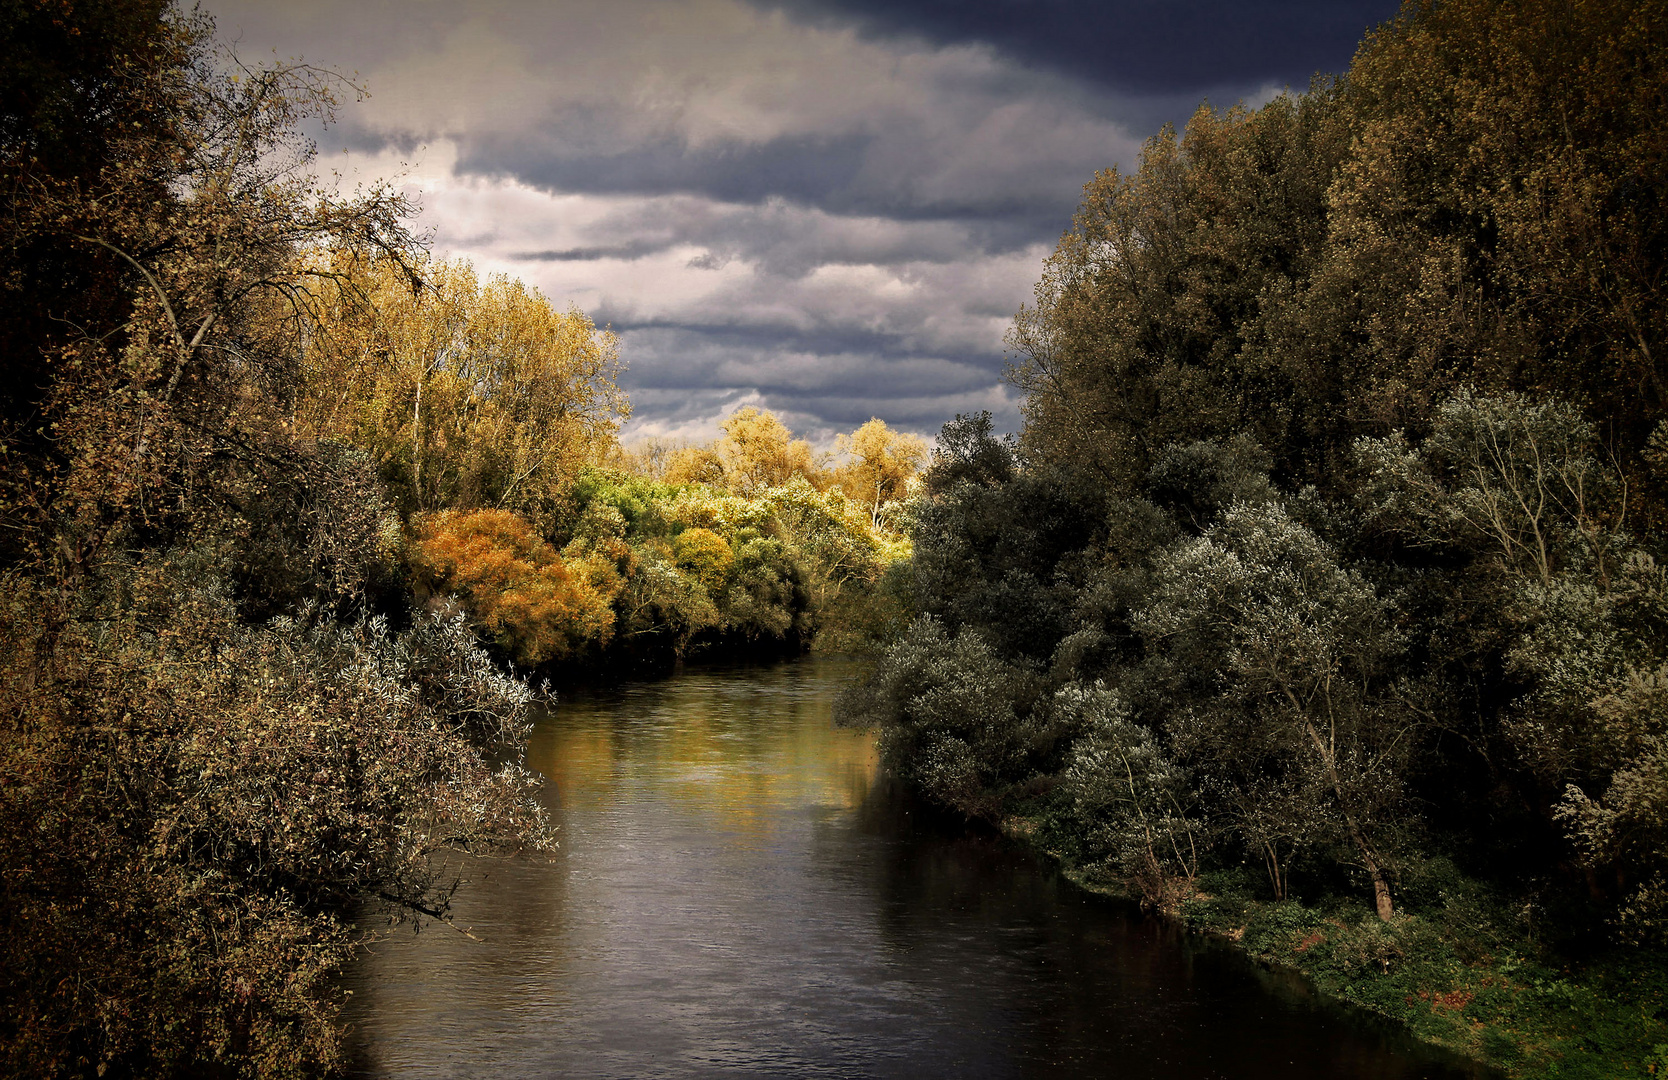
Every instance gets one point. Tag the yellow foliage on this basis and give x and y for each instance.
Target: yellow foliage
(469, 394)
(882, 464)
(715, 509)
(704, 556)
(514, 585)
(694, 465)
(758, 451)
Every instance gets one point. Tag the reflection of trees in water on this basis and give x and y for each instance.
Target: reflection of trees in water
(736, 879)
(735, 748)
(1080, 985)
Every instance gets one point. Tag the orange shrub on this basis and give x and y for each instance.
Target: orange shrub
(517, 590)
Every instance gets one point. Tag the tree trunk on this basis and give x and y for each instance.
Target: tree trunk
(417, 446)
(1381, 887)
(1271, 856)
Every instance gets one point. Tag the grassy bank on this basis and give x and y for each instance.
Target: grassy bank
(1454, 965)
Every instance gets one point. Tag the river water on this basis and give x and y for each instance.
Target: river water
(738, 893)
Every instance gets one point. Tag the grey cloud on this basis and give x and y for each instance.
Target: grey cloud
(834, 342)
(1021, 191)
(689, 358)
(681, 374)
(790, 241)
(810, 170)
(831, 214)
(634, 250)
(1155, 47)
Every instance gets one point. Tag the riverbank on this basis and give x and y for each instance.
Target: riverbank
(741, 889)
(1446, 967)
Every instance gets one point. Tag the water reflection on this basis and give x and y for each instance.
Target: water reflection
(737, 893)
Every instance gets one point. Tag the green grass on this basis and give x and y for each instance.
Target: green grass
(1456, 967)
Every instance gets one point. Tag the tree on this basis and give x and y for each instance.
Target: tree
(1498, 221)
(705, 557)
(758, 451)
(66, 76)
(1580, 611)
(257, 785)
(195, 220)
(1295, 653)
(1162, 315)
(1132, 803)
(189, 589)
(1476, 203)
(955, 719)
(882, 463)
(469, 395)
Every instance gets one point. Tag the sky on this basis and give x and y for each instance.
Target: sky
(831, 209)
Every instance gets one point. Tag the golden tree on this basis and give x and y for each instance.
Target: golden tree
(758, 451)
(883, 461)
(468, 394)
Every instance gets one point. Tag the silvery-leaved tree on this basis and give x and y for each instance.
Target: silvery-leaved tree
(1292, 685)
(1137, 806)
(1522, 488)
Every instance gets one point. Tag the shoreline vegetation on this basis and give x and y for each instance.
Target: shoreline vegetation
(1467, 989)
(296, 524)
(1320, 605)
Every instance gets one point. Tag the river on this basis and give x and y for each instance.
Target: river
(739, 893)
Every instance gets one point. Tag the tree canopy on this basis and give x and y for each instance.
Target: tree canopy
(1324, 580)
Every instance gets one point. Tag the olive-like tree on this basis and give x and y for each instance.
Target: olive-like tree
(1290, 654)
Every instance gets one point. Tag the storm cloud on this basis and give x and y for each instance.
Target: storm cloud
(830, 208)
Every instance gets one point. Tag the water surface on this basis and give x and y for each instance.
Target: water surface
(738, 893)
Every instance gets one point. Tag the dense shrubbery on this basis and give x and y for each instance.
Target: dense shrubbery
(519, 593)
(195, 806)
(1330, 552)
(222, 730)
(704, 567)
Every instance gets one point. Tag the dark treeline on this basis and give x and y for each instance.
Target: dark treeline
(221, 732)
(1322, 599)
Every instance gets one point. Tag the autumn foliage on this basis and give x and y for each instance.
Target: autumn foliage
(517, 589)
(225, 739)
(466, 393)
(704, 556)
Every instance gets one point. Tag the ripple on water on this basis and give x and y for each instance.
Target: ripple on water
(737, 892)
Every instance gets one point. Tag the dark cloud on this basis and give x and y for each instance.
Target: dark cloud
(943, 164)
(830, 208)
(833, 339)
(1141, 47)
(691, 356)
(817, 171)
(592, 254)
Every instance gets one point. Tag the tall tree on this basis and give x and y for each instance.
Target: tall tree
(468, 394)
(882, 462)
